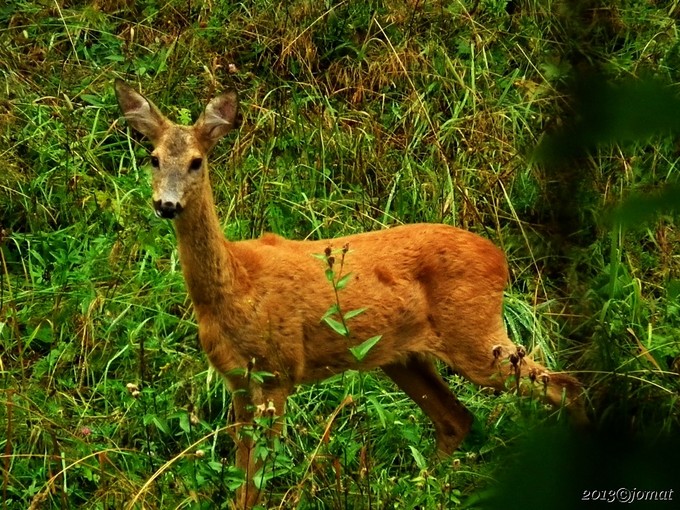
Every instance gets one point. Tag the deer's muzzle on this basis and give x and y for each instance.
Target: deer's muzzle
(167, 210)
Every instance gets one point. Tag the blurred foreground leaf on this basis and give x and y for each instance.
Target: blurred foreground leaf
(640, 208)
(606, 112)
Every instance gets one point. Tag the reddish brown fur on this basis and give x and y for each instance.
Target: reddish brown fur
(431, 291)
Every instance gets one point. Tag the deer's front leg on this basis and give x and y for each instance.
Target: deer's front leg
(258, 416)
(241, 431)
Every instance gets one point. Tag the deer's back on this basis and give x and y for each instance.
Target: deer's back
(412, 282)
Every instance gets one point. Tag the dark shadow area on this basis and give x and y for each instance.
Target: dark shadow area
(561, 469)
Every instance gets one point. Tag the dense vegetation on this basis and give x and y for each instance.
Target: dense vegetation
(356, 116)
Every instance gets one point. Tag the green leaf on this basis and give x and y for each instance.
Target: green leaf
(233, 477)
(159, 423)
(260, 375)
(337, 326)
(379, 410)
(184, 422)
(342, 282)
(334, 308)
(93, 100)
(360, 351)
(329, 274)
(673, 290)
(354, 313)
(418, 457)
(236, 372)
(261, 478)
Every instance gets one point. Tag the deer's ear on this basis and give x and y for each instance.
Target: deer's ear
(141, 113)
(218, 119)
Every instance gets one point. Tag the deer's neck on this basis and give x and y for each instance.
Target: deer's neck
(207, 263)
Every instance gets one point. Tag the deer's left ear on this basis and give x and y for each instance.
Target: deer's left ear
(218, 119)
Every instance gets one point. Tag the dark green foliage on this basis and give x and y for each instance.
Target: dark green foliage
(356, 115)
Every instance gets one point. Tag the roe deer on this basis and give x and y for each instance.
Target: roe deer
(431, 291)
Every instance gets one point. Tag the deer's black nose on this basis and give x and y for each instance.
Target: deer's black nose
(167, 210)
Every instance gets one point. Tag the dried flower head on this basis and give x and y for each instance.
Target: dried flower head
(533, 374)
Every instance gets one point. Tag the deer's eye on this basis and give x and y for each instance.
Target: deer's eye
(155, 162)
(195, 164)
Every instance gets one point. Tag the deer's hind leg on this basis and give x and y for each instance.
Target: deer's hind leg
(418, 378)
(492, 360)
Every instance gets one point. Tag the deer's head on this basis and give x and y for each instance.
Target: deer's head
(179, 157)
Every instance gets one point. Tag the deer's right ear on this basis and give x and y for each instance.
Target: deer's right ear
(141, 113)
